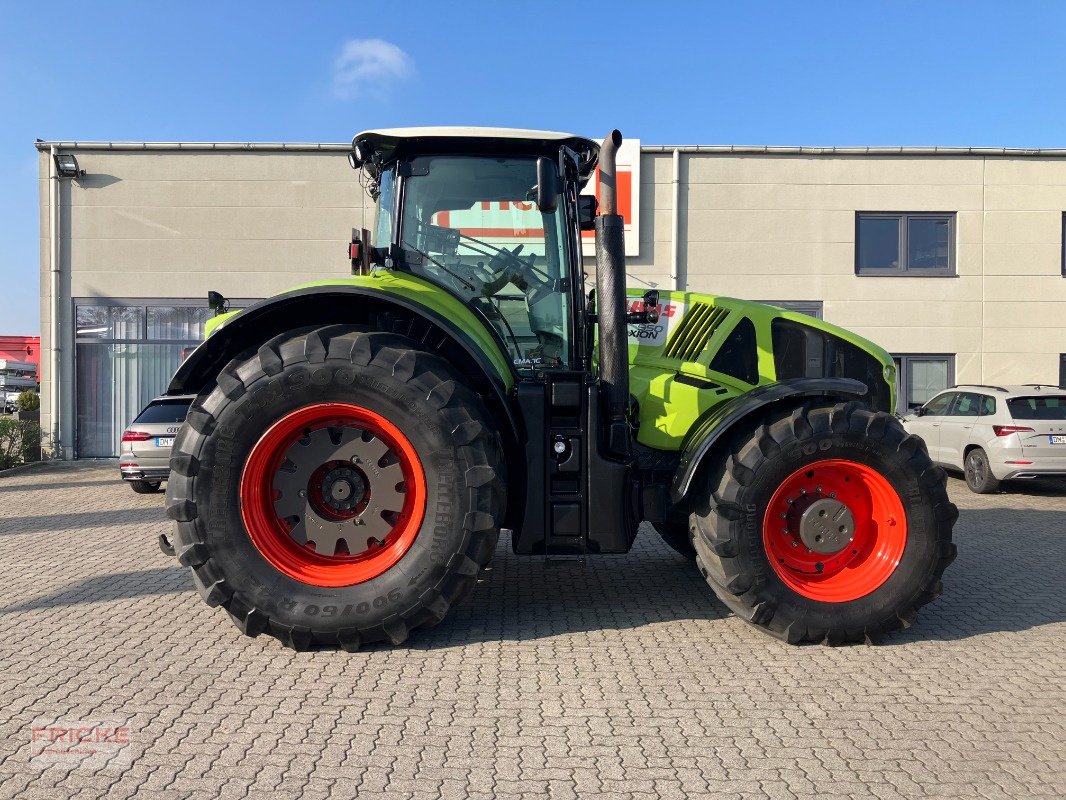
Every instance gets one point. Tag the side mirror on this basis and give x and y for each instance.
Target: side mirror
(217, 303)
(920, 411)
(547, 186)
(587, 206)
(359, 252)
(649, 313)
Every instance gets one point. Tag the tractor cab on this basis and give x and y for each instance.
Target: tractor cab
(491, 216)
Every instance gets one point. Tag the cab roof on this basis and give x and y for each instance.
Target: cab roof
(396, 142)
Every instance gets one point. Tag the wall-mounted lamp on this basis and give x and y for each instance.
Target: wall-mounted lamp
(67, 166)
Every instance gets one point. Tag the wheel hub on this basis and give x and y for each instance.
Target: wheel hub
(826, 526)
(341, 490)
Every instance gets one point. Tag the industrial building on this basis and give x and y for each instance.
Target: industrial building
(950, 258)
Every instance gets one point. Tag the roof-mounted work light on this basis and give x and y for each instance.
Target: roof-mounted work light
(67, 166)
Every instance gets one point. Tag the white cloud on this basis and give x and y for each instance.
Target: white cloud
(369, 66)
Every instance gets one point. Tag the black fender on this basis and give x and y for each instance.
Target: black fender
(712, 428)
(319, 306)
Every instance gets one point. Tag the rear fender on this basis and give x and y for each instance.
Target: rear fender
(714, 427)
(319, 306)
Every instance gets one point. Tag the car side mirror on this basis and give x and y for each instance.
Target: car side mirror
(587, 206)
(920, 411)
(547, 186)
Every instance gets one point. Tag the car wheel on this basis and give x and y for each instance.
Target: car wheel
(979, 475)
(145, 487)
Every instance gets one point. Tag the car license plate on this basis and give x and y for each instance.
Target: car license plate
(164, 441)
(1058, 438)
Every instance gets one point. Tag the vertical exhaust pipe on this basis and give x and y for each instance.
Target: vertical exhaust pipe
(611, 303)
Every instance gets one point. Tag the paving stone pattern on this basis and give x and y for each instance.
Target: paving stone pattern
(622, 677)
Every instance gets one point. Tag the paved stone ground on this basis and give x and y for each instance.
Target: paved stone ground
(624, 678)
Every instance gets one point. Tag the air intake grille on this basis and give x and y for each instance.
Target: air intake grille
(694, 331)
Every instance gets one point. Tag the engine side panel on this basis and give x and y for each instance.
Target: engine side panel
(706, 350)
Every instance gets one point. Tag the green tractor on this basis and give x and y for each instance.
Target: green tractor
(356, 446)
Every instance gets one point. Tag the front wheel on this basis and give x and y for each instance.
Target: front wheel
(828, 523)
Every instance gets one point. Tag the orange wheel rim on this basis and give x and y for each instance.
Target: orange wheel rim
(333, 494)
(835, 530)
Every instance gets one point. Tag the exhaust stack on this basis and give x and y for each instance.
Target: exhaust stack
(611, 303)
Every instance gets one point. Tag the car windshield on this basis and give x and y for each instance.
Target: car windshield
(1040, 407)
(163, 411)
(471, 224)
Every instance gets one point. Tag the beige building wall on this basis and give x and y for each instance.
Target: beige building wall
(177, 221)
(782, 227)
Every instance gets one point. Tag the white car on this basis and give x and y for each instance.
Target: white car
(995, 433)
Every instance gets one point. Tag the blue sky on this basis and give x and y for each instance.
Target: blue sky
(900, 73)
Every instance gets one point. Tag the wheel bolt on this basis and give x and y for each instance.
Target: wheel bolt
(303, 493)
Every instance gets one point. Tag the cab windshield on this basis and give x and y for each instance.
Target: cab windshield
(471, 224)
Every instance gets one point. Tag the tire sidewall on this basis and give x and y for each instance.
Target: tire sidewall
(239, 425)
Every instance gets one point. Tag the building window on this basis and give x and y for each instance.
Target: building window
(919, 377)
(915, 244)
(125, 353)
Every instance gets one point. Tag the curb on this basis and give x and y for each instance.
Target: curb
(23, 468)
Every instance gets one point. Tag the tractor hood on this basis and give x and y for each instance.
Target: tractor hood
(704, 350)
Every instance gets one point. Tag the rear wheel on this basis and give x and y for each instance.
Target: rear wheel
(145, 487)
(336, 487)
(828, 523)
(979, 475)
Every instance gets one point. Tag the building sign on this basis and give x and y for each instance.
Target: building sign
(628, 198)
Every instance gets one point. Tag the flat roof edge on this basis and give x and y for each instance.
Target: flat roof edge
(288, 147)
(709, 149)
(771, 150)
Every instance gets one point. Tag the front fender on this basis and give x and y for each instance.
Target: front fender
(710, 429)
